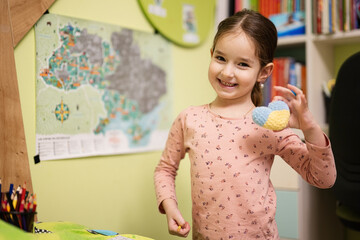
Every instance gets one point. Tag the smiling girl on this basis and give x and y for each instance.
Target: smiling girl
(231, 157)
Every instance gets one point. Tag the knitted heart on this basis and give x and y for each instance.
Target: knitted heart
(274, 117)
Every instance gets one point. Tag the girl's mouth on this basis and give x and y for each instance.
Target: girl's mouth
(228, 84)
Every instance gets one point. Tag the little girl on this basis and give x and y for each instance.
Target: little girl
(231, 156)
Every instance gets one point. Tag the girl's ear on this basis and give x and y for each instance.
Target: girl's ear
(211, 52)
(265, 72)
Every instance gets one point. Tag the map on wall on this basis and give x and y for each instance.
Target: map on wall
(100, 89)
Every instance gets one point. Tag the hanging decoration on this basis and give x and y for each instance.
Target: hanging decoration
(185, 23)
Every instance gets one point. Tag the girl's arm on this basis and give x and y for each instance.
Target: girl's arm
(314, 163)
(164, 179)
(301, 116)
(314, 160)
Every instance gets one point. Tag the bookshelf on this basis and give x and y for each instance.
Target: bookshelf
(316, 208)
(317, 218)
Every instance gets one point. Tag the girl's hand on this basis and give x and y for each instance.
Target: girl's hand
(300, 116)
(176, 223)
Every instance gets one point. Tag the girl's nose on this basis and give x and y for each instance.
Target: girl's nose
(228, 71)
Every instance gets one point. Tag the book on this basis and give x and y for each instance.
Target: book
(286, 71)
(357, 13)
(325, 20)
(318, 16)
(289, 23)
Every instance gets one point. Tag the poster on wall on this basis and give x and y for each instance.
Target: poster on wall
(100, 89)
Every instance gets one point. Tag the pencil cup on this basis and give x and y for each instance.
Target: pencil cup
(22, 220)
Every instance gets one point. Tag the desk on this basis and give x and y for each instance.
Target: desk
(59, 231)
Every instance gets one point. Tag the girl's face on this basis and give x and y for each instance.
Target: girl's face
(234, 68)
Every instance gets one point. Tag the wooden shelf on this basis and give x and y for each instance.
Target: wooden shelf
(292, 40)
(338, 37)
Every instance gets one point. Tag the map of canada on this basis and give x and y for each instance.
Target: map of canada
(100, 89)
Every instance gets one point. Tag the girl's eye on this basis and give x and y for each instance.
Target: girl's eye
(220, 58)
(243, 65)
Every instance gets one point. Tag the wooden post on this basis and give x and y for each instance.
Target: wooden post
(16, 18)
(24, 14)
(14, 164)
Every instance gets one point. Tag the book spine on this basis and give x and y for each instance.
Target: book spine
(254, 5)
(245, 4)
(314, 14)
(303, 79)
(292, 72)
(238, 5)
(286, 72)
(356, 11)
(334, 17)
(298, 73)
(351, 17)
(340, 14)
(347, 15)
(318, 16)
(266, 91)
(330, 16)
(325, 17)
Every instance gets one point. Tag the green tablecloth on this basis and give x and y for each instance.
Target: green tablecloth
(58, 231)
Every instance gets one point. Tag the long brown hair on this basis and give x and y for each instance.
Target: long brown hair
(263, 33)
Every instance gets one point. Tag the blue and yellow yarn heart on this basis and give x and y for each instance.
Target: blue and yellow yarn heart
(274, 117)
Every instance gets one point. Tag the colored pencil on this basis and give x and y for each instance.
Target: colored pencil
(34, 203)
(11, 188)
(22, 198)
(16, 208)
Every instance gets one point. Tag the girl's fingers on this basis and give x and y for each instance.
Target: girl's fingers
(178, 229)
(279, 98)
(285, 92)
(303, 99)
(290, 92)
(184, 229)
(294, 89)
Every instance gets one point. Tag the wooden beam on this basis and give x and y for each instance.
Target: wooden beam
(14, 163)
(24, 14)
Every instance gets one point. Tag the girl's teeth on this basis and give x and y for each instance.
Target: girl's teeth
(228, 84)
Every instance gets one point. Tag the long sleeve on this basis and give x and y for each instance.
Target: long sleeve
(231, 160)
(166, 170)
(315, 164)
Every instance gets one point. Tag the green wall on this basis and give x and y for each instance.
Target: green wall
(342, 52)
(110, 192)
(116, 192)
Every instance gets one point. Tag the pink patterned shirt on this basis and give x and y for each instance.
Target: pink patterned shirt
(231, 159)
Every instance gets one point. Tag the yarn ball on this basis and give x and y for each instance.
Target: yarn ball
(274, 117)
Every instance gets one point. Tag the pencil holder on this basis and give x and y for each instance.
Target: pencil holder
(22, 220)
